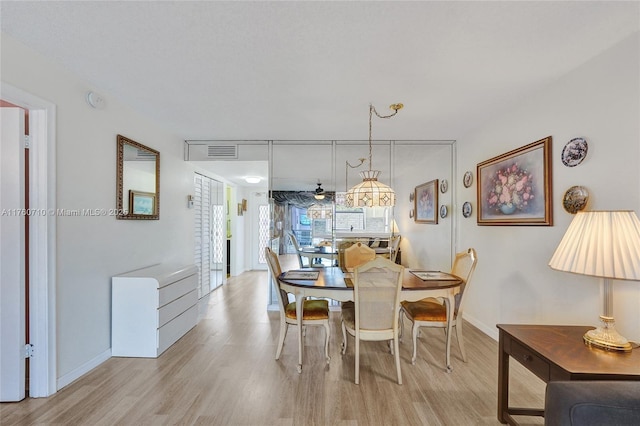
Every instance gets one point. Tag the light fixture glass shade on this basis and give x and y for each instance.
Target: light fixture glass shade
(253, 179)
(370, 192)
(319, 196)
(602, 244)
(320, 211)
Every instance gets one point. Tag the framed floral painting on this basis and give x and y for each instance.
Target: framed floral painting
(515, 188)
(426, 202)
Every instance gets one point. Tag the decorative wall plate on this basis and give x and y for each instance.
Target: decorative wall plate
(443, 211)
(466, 209)
(575, 199)
(574, 152)
(467, 180)
(444, 185)
(411, 197)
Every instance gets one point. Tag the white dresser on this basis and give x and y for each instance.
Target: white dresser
(151, 308)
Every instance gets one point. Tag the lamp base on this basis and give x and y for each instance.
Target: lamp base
(606, 337)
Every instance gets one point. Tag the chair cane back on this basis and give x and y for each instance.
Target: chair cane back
(374, 317)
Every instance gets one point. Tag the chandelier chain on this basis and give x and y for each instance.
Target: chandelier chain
(372, 110)
(346, 171)
(370, 192)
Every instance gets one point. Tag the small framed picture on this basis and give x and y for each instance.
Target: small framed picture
(426, 202)
(142, 203)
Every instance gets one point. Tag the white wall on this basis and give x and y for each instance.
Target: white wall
(423, 245)
(512, 282)
(90, 250)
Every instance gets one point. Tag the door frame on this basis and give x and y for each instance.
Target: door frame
(42, 238)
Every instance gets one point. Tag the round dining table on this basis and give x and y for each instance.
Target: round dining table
(334, 283)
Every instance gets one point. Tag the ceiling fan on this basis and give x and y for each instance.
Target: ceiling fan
(319, 193)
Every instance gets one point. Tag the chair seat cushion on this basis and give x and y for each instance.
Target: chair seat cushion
(428, 309)
(349, 314)
(313, 310)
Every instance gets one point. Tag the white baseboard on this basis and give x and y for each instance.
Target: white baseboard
(489, 331)
(83, 369)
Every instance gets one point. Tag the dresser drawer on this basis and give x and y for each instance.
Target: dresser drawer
(169, 333)
(175, 308)
(177, 289)
(530, 360)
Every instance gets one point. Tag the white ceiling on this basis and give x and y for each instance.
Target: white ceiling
(308, 70)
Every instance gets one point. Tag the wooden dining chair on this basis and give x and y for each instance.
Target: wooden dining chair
(353, 255)
(358, 254)
(315, 312)
(342, 246)
(394, 246)
(301, 262)
(432, 312)
(374, 316)
(296, 246)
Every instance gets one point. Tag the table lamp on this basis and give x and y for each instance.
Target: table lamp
(603, 244)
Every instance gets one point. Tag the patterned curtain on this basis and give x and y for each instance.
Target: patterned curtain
(300, 199)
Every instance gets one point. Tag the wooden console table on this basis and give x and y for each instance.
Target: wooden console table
(556, 352)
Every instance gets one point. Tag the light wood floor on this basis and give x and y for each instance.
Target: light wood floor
(223, 372)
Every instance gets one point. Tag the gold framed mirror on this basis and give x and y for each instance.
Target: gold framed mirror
(137, 181)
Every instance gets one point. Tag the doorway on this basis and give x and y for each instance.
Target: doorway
(210, 235)
(41, 239)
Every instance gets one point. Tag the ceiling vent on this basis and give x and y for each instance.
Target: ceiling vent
(222, 152)
(143, 154)
(138, 154)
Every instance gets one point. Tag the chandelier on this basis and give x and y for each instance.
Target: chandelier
(320, 211)
(370, 192)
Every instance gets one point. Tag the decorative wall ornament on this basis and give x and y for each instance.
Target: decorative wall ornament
(466, 209)
(467, 180)
(515, 188)
(575, 199)
(443, 211)
(444, 185)
(574, 152)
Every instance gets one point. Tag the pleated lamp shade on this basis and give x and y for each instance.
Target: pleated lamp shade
(601, 244)
(370, 192)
